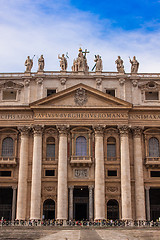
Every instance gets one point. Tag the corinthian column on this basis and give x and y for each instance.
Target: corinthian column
(138, 171)
(23, 174)
(125, 174)
(36, 173)
(99, 175)
(62, 194)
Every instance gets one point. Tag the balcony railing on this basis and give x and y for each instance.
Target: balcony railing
(152, 162)
(81, 160)
(8, 161)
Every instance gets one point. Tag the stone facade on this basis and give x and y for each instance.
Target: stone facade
(43, 114)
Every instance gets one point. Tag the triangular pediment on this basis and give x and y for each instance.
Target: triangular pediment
(80, 96)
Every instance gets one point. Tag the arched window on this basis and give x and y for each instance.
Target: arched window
(50, 149)
(81, 146)
(153, 147)
(7, 147)
(111, 147)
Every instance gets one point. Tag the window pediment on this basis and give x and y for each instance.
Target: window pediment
(11, 85)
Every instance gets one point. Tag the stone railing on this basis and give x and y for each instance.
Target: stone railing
(8, 161)
(81, 160)
(152, 162)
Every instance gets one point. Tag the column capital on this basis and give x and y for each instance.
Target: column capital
(37, 129)
(62, 129)
(24, 130)
(71, 187)
(137, 131)
(90, 187)
(98, 129)
(124, 130)
(147, 187)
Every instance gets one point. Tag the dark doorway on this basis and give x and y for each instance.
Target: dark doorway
(49, 209)
(6, 203)
(155, 203)
(81, 203)
(112, 209)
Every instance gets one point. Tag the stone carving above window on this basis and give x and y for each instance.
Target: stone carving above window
(80, 173)
(11, 85)
(80, 97)
(112, 189)
(149, 86)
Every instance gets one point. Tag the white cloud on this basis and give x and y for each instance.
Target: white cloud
(27, 28)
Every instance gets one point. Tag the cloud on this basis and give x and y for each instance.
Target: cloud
(51, 27)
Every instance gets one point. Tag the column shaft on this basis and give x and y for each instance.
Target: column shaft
(23, 175)
(139, 182)
(36, 174)
(125, 175)
(71, 203)
(90, 203)
(148, 204)
(99, 175)
(62, 197)
(14, 204)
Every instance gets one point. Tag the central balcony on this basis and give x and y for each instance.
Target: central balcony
(153, 162)
(80, 161)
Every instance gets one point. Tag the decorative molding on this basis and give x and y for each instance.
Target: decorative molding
(150, 86)
(111, 131)
(98, 129)
(50, 131)
(49, 189)
(112, 189)
(80, 97)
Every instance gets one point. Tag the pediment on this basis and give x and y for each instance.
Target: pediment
(11, 85)
(80, 96)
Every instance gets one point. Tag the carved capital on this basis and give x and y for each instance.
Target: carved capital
(134, 83)
(147, 187)
(98, 81)
(71, 187)
(90, 187)
(63, 81)
(98, 129)
(137, 131)
(37, 129)
(62, 129)
(39, 81)
(24, 130)
(124, 130)
(121, 81)
(26, 82)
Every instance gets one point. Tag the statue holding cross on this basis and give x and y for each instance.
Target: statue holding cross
(80, 64)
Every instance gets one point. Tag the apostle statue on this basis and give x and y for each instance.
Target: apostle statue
(41, 64)
(120, 66)
(98, 61)
(134, 65)
(63, 62)
(28, 64)
(80, 64)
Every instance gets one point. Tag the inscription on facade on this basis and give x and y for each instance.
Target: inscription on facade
(16, 116)
(80, 173)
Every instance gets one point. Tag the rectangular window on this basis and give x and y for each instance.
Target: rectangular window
(5, 173)
(9, 95)
(155, 173)
(111, 92)
(151, 96)
(50, 92)
(112, 173)
(50, 173)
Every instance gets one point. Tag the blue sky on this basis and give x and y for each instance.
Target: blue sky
(52, 27)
